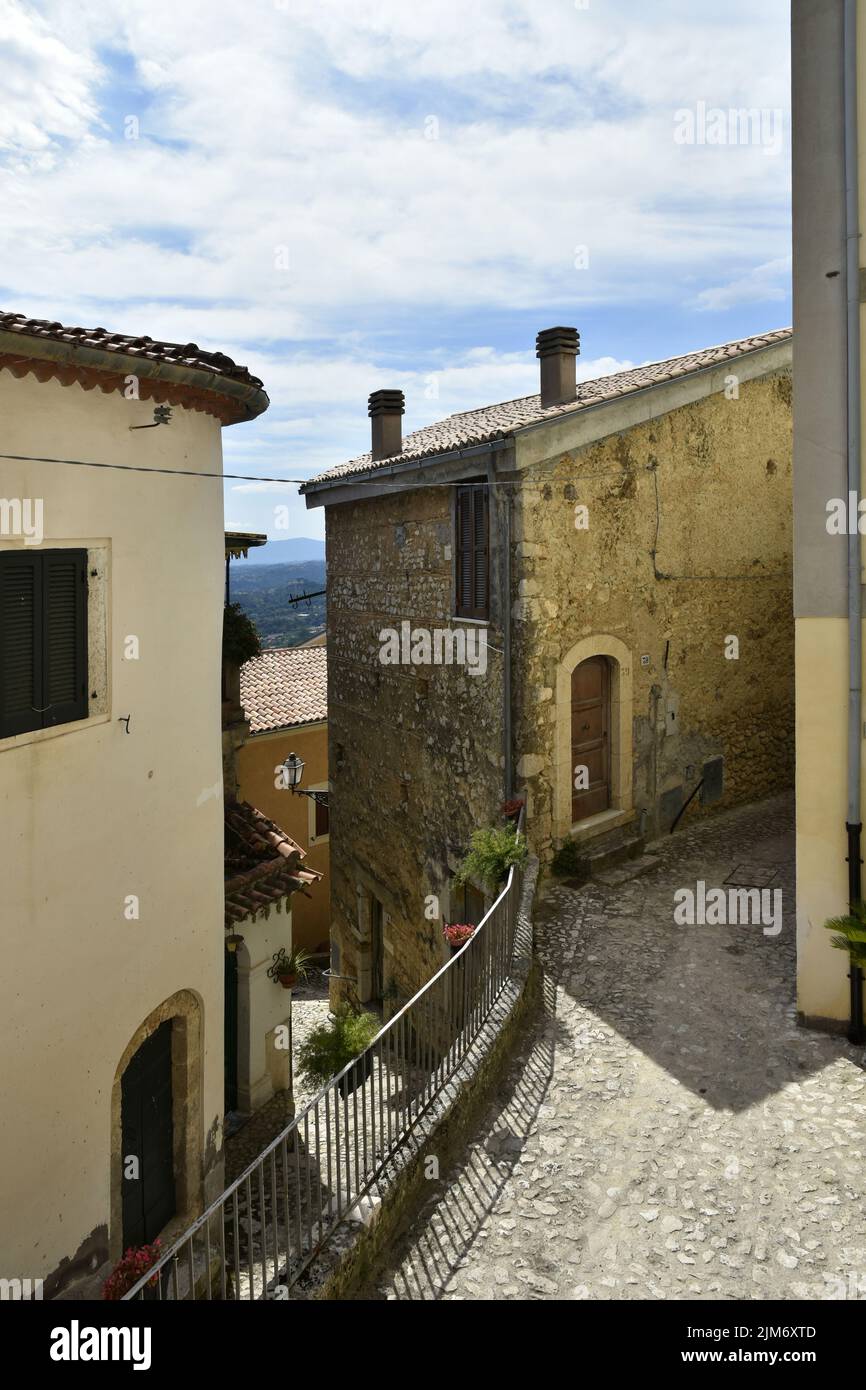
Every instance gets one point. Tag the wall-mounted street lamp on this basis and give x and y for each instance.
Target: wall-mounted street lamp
(293, 768)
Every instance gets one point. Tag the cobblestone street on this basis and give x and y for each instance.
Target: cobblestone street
(665, 1130)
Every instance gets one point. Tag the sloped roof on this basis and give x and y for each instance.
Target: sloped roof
(89, 353)
(492, 422)
(285, 686)
(262, 863)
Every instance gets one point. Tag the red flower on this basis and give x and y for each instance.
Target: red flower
(458, 933)
(136, 1261)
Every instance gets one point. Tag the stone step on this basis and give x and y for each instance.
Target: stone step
(632, 868)
(613, 849)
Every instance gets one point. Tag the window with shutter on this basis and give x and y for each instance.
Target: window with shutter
(322, 820)
(471, 551)
(43, 639)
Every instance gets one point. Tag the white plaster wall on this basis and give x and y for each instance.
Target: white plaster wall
(89, 814)
(263, 1005)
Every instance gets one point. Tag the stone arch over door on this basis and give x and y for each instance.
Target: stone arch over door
(184, 1011)
(620, 733)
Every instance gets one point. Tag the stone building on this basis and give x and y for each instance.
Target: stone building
(583, 597)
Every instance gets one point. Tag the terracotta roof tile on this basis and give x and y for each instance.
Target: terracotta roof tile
(262, 863)
(180, 354)
(285, 686)
(497, 421)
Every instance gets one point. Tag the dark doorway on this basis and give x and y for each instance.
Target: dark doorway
(147, 1135)
(590, 738)
(377, 952)
(230, 1032)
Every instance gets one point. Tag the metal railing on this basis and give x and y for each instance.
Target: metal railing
(264, 1231)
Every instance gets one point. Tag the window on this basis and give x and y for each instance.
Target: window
(322, 820)
(318, 816)
(43, 639)
(471, 551)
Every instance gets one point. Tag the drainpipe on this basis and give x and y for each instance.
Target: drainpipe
(853, 824)
(506, 627)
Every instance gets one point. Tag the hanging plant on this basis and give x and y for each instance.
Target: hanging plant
(241, 641)
(290, 966)
(457, 934)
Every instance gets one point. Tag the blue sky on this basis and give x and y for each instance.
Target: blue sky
(436, 178)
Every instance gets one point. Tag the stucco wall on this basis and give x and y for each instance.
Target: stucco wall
(92, 814)
(256, 761)
(701, 493)
(820, 470)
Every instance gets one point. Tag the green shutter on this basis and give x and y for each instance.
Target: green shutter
(64, 636)
(20, 652)
(43, 639)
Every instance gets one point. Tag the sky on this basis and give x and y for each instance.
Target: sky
(345, 195)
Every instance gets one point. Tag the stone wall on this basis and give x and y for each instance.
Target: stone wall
(415, 751)
(688, 543)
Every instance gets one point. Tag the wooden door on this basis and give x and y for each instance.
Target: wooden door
(146, 1134)
(230, 1032)
(377, 948)
(590, 738)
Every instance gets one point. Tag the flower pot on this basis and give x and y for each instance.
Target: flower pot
(288, 981)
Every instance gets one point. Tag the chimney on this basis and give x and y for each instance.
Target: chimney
(385, 409)
(558, 349)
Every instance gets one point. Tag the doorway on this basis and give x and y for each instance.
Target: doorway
(147, 1135)
(377, 951)
(590, 738)
(230, 1033)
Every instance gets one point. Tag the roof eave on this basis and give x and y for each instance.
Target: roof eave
(348, 483)
(248, 400)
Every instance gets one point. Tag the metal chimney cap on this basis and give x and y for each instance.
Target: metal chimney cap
(557, 340)
(386, 403)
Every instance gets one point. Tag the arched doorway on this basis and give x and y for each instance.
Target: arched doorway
(156, 1120)
(146, 1130)
(590, 738)
(593, 732)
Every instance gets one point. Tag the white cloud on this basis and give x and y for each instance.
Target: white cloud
(302, 125)
(761, 284)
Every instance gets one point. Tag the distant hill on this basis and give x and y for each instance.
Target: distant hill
(263, 590)
(292, 552)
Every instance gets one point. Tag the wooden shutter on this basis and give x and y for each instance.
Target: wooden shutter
(20, 649)
(64, 636)
(472, 547)
(43, 639)
(323, 819)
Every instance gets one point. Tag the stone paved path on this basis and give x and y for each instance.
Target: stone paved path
(309, 1009)
(666, 1130)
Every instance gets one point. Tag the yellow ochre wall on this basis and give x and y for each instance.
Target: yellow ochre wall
(256, 761)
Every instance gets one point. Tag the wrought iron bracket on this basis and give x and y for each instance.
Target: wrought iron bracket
(320, 797)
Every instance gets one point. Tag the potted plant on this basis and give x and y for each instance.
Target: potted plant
(330, 1047)
(851, 934)
(241, 642)
(457, 934)
(136, 1261)
(290, 966)
(511, 809)
(492, 851)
